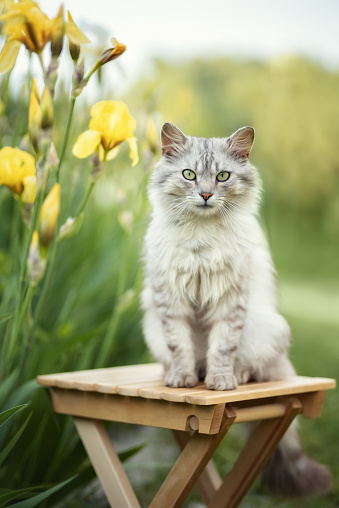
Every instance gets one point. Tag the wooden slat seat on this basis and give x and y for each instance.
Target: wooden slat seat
(137, 395)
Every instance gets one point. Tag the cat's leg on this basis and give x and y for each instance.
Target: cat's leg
(168, 336)
(220, 359)
(182, 370)
(265, 336)
(154, 337)
(223, 344)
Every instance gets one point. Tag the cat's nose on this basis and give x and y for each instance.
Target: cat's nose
(206, 195)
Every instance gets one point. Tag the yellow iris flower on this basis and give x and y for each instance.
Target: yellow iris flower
(17, 172)
(110, 125)
(25, 23)
(5, 5)
(49, 215)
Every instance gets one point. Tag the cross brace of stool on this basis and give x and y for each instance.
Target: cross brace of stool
(198, 417)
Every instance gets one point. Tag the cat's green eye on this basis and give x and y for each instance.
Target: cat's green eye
(188, 174)
(223, 176)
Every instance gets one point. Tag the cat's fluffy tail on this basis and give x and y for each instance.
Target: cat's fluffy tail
(289, 472)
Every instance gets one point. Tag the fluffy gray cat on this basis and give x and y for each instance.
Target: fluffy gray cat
(210, 295)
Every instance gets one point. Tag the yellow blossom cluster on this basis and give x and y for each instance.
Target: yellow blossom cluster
(22, 22)
(25, 23)
(110, 125)
(17, 172)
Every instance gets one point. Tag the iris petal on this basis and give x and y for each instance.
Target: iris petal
(133, 150)
(86, 144)
(29, 192)
(74, 34)
(112, 153)
(8, 55)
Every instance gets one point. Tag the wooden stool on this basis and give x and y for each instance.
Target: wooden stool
(198, 417)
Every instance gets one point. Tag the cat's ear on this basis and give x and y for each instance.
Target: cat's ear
(172, 139)
(241, 142)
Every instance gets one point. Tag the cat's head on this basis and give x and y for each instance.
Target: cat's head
(199, 177)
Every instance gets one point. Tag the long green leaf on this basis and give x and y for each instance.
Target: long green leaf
(7, 495)
(131, 452)
(7, 386)
(13, 441)
(5, 415)
(22, 393)
(34, 501)
(5, 317)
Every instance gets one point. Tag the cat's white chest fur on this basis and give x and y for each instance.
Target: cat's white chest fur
(197, 264)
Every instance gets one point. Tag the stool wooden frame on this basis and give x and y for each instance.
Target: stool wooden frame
(198, 417)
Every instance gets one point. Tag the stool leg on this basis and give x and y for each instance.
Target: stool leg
(209, 481)
(253, 457)
(190, 464)
(106, 463)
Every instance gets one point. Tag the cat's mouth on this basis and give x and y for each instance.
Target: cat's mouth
(205, 205)
(205, 208)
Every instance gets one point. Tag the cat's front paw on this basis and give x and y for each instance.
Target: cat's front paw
(243, 375)
(221, 382)
(177, 379)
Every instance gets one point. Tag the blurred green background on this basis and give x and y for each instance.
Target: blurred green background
(91, 316)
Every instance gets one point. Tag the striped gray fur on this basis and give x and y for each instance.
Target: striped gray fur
(210, 299)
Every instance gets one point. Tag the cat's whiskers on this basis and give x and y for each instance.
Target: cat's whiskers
(229, 218)
(177, 211)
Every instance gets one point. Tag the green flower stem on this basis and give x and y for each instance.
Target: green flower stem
(91, 72)
(24, 344)
(55, 247)
(64, 146)
(115, 316)
(84, 201)
(5, 96)
(51, 268)
(43, 68)
(46, 284)
(23, 274)
(53, 257)
(25, 305)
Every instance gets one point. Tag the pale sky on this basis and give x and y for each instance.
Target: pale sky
(191, 28)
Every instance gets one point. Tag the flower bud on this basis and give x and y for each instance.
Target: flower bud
(57, 33)
(74, 50)
(34, 116)
(49, 215)
(71, 227)
(47, 109)
(52, 159)
(112, 53)
(78, 79)
(52, 75)
(36, 264)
